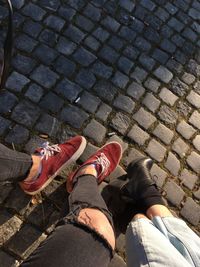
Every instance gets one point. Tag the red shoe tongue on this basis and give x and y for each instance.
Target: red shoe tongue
(98, 168)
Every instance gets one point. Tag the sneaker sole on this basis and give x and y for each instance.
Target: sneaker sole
(76, 155)
(113, 142)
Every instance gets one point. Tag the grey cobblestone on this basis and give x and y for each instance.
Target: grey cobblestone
(9, 99)
(183, 108)
(51, 102)
(48, 125)
(167, 115)
(84, 57)
(102, 70)
(65, 66)
(45, 54)
(105, 90)
(85, 78)
(138, 135)
(151, 102)
(163, 74)
(194, 99)
(124, 103)
(68, 89)
(144, 118)
(17, 81)
(139, 74)
(120, 80)
(101, 34)
(103, 112)
(23, 64)
(66, 46)
(17, 135)
(186, 130)
(156, 150)
(34, 92)
(125, 64)
(180, 147)
(92, 12)
(84, 23)
(89, 102)
(95, 130)
(152, 84)
(55, 22)
(92, 43)
(120, 122)
(195, 119)
(196, 142)
(25, 43)
(108, 54)
(163, 133)
(172, 164)
(191, 211)
(188, 179)
(193, 161)
(4, 125)
(168, 97)
(111, 24)
(188, 78)
(32, 28)
(74, 34)
(135, 90)
(34, 11)
(160, 56)
(174, 193)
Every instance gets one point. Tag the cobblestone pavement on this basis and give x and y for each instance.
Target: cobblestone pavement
(96, 68)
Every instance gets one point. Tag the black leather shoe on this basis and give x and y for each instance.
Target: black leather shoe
(139, 176)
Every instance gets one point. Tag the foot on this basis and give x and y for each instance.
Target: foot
(53, 160)
(105, 160)
(139, 176)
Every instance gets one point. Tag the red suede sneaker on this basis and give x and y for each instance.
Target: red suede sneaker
(54, 159)
(105, 160)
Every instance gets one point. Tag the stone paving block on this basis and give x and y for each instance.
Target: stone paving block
(116, 43)
(33, 143)
(68, 90)
(168, 46)
(144, 118)
(191, 211)
(105, 90)
(147, 62)
(175, 24)
(89, 102)
(133, 154)
(25, 113)
(116, 138)
(45, 54)
(156, 150)
(172, 164)
(151, 102)
(34, 92)
(74, 116)
(128, 34)
(10, 100)
(17, 135)
(194, 99)
(197, 194)
(189, 34)
(120, 80)
(103, 112)
(120, 122)
(138, 135)
(51, 6)
(196, 142)
(92, 12)
(32, 28)
(84, 57)
(49, 37)
(186, 130)
(18, 3)
(142, 44)
(163, 133)
(193, 67)
(163, 74)
(167, 115)
(183, 108)
(102, 70)
(108, 54)
(158, 175)
(131, 52)
(195, 119)
(188, 179)
(160, 56)
(92, 43)
(135, 90)
(193, 161)
(95, 130)
(139, 74)
(23, 64)
(168, 97)
(174, 193)
(101, 34)
(124, 103)
(34, 11)
(74, 34)
(117, 261)
(66, 12)
(51, 102)
(85, 78)
(172, 9)
(55, 22)
(65, 46)
(152, 84)
(44, 76)
(180, 147)
(65, 66)
(48, 125)
(25, 43)
(125, 64)
(25, 241)
(16, 82)
(4, 125)
(110, 23)
(188, 78)
(84, 23)
(8, 260)
(194, 13)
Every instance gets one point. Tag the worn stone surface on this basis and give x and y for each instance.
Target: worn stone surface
(174, 193)
(172, 164)
(163, 133)
(186, 130)
(138, 135)
(193, 161)
(144, 118)
(191, 211)
(156, 150)
(151, 102)
(95, 130)
(195, 119)
(188, 179)
(180, 147)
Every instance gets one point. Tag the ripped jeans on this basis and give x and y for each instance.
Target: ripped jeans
(73, 244)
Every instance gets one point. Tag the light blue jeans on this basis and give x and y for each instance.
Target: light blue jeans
(166, 242)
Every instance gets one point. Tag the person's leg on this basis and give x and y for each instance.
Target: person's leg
(85, 237)
(14, 166)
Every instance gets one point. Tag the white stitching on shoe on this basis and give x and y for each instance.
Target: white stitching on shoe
(49, 150)
(103, 161)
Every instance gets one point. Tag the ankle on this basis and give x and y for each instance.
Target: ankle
(87, 170)
(34, 171)
(158, 210)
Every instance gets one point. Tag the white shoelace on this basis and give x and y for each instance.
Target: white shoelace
(103, 161)
(49, 150)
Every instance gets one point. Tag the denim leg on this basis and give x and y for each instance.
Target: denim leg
(14, 166)
(74, 244)
(149, 243)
